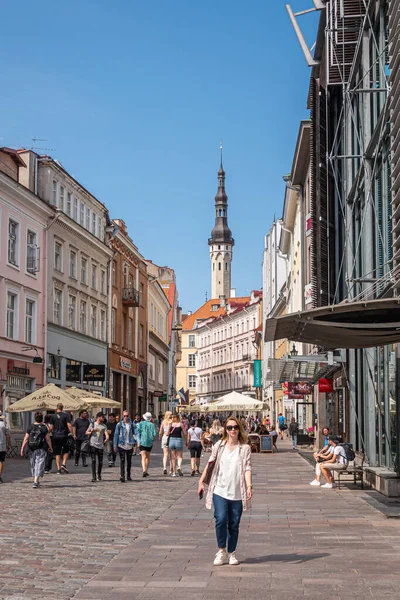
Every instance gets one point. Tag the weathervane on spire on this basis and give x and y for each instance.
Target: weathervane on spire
(220, 147)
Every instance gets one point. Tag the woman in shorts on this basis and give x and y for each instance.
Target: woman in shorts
(194, 442)
(176, 434)
(163, 435)
(147, 432)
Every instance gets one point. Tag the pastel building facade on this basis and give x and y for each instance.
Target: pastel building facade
(24, 220)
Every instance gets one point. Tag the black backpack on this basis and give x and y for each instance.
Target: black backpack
(35, 440)
(349, 452)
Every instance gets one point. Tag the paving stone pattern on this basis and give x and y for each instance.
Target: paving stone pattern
(155, 539)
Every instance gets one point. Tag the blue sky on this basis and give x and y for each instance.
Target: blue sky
(134, 97)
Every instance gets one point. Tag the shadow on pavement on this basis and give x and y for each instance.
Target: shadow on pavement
(296, 558)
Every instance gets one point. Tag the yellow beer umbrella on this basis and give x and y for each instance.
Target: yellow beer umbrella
(91, 399)
(46, 398)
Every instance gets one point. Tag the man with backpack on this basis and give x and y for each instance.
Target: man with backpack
(61, 422)
(38, 440)
(342, 454)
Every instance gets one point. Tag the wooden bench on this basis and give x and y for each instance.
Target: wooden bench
(354, 469)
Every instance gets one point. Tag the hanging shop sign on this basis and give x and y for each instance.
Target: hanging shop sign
(94, 373)
(308, 293)
(299, 389)
(325, 385)
(158, 394)
(257, 373)
(308, 224)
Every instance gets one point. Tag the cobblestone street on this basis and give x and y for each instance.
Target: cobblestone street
(152, 538)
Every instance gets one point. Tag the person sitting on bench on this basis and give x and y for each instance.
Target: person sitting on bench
(321, 457)
(338, 462)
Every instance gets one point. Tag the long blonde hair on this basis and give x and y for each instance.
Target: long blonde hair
(243, 437)
(167, 417)
(216, 427)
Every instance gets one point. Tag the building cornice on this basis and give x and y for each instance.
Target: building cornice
(81, 233)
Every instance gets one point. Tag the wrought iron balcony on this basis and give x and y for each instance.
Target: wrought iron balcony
(130, 296)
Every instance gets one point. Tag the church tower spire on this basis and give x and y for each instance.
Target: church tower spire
(221, 242)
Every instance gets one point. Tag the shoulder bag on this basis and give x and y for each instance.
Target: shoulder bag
(210, 468)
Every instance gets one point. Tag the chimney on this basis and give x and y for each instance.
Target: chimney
(189, 312)
(233, 293)
(222, 301)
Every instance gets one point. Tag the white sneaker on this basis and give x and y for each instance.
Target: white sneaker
(315, 482)
(220, 558)
(328, 486)
(232, 559)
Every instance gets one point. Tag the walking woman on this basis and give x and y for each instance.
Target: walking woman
(230, 488)
(195, 442)
(147, 432)
(98, 437)
(37, 438)
(176, 434)
(163, 435)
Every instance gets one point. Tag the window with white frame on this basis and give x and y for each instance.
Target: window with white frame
(31, 252)
(93, 322)
(72, 264)
(82, 214)
(72, 312)
(192, 341)
(88, 218)
(76, 209)
(58, 256)
(13, 243)
(99, 222)
(61, 203)
(192, 382)
(84, 270)
(57, 307)
(12, 316)
(82, 316)
(103, 282)
(191, 360)
(54, 193)
(102, 325)
(94, 276)
(30, 321)
(113, 325)
(94, 223)
(69, 204)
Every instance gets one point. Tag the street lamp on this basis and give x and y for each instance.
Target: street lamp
(294, 351)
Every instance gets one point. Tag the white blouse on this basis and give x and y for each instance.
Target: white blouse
(228, 478)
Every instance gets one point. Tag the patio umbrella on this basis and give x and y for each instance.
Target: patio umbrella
(46, 398)
(234, 402)
(91, 399)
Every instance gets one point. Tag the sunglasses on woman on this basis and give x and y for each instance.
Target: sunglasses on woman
(232, 427)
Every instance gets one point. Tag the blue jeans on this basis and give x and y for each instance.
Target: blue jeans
(294, 439)
(227, 514)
